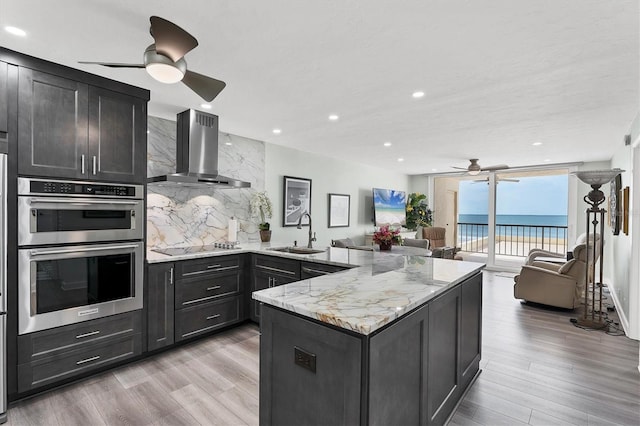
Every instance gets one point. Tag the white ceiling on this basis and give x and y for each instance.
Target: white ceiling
(498, 75)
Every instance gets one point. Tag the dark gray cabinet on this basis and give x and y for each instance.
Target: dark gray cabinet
(209, 294)
(52, 125)
(160, 305)
(270, 271)
(69, 129)
(117, 136)
(51, 356)
(413, 371)
(4, 100)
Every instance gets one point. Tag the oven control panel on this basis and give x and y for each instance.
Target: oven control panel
(28, 186)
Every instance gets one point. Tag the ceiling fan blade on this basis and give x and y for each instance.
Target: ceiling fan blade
(206, 87)
(508, 180)
(496, 167)
(113, 64)
(171, 40)
(459, 168)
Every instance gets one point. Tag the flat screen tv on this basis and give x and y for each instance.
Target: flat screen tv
(389, 207)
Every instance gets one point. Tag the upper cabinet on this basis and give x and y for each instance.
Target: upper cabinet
(117, 136)
(4, 101)
(52, 125)
(70, 129)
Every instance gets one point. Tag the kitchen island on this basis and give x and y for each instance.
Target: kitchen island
(394, 341)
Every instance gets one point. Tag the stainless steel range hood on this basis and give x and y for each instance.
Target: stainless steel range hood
(197, 154)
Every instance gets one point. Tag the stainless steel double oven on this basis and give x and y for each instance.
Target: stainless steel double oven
(81, 251)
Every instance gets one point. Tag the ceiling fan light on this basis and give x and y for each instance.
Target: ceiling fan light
(165, 73)
(474, 172)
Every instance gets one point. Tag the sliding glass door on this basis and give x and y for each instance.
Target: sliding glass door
(502, 215)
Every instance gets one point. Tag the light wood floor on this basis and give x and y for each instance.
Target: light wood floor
(537, 367)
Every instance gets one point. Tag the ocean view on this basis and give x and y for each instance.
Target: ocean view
(505, 226)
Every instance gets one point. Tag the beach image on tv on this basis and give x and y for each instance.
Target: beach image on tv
(389, 206)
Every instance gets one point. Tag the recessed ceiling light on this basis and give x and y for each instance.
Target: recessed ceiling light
(228, 143)
(15, 31)
(434, 170)
(547, 160)
(418, 94)
(333, 117)
(277, 131)
(536, 143)
(400, 160)
(387, 144)
(205, 106)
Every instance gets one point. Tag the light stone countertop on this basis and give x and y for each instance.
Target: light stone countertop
(381, 288)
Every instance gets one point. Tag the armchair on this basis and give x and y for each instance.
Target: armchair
(582, 239)
(551, 284)
(435, 235)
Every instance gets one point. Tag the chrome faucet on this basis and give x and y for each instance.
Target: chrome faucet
(311, 237)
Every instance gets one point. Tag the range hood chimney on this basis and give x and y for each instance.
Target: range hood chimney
(197, 154)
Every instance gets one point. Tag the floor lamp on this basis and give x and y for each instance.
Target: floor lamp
(592, 317)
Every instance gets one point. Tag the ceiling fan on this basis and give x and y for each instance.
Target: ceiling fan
(498, 180)
(475, 168)
(164, 60)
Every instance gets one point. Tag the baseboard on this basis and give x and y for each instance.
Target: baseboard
(621, 314)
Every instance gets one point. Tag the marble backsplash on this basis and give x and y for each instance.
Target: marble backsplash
(179, 216)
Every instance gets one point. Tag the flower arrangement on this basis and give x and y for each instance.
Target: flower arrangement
(418, 211)
(261, 205)
(387, 237)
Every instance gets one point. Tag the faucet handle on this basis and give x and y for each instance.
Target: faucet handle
(314, 237)
(295, 243)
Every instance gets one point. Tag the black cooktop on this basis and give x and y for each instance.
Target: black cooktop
(178, 251)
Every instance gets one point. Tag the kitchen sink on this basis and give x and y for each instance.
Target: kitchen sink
(297, 250)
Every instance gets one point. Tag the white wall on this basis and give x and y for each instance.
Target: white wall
(328, 175)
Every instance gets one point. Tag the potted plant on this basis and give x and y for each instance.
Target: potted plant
(418, 211)
(261, 206)
(386, 237)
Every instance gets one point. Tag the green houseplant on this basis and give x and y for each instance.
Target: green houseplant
(261, 206)
(418, 211)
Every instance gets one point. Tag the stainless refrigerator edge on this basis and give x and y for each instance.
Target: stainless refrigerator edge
(3, 288)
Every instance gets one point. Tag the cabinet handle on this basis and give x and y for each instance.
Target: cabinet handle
(91, 333)
(217, 268)
(213, 317)
(278, 270)
(82, 163)
(215, 287)
(213, 266)
(270, 282)
(314, 271)
(274, 282)
(94, 164)
(171, 276)
(84, 361)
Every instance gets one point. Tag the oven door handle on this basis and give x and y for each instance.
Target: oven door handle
(82, 250)
(82, 203)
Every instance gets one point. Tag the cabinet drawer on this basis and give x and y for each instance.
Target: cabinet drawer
(203, 289)
(47, 343)
(207, 266)
(69, 364)
(279, 266)
(207, 316)
(310, 269)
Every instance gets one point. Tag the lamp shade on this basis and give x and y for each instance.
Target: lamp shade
(597, 177)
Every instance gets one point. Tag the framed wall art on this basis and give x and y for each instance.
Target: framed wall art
(297, 201)
(339, 209)
(625, 211)
(615, 205)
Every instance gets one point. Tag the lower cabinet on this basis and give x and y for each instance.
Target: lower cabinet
(205, 317)
(160, 305)
(311, 270)
(51, 356)
(270, 271)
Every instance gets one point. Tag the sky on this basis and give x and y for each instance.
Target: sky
(536, 195)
